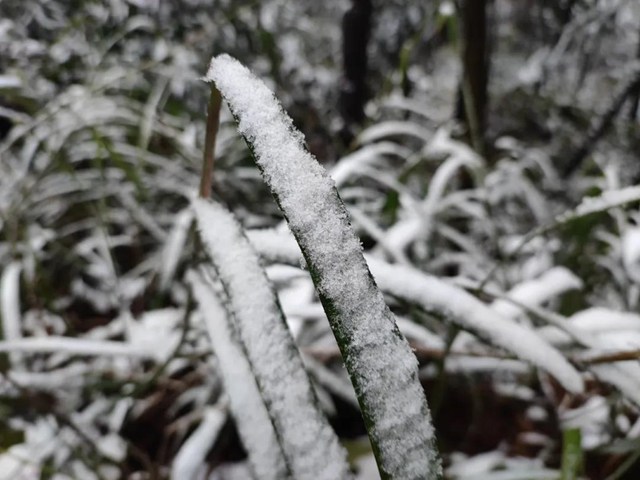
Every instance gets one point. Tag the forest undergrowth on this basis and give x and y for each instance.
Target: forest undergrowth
(511, 266)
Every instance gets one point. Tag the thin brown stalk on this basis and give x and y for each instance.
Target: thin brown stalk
(213, 123)
(609, 357)
(426, 354)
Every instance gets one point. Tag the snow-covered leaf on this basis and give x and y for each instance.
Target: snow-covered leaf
(379, 360)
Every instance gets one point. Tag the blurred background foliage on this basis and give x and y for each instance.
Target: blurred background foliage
(475, 124)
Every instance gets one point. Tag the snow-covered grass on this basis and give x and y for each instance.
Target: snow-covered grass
(247, 405)
(309, 445)
(109, 369)
(190, 459)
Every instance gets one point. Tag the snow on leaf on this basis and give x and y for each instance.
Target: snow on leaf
(631, 253)
(276, 247)
(393, 128)
(414, 228)
(173, 248)
(453, 303)
(607, 200)
(410, 105)
(10, 306)
(190, 459)
(247, 407)
(76, 346)
(468, 312)
(550, 284)
(379, 360)
(16, 464)
(310, 446)
(351, 164)
(460, 155)
(623, 375)
(600, 320)
(598, 328)
(156, 331)
(476, 465)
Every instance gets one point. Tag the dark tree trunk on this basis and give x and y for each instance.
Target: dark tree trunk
(635, 94)
(601, 125)
(473, 97)
(563, 10)
(356, 30)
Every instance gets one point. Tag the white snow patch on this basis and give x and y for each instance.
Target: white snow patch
(351, 164)
(593, 420)
(631, 253)
(173, 248)
(482, 463)
(393, 128)
(190, 459)
(537, 413)
(77, 346)
(10, 303)
(601, 320)
(553, 283)
(157, 331)
(607, 200)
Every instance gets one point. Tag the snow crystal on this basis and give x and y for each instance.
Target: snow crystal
(309, 445)
(247, 407)
(387, 385)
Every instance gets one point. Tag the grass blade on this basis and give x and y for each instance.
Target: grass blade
(380, 363)
(309, 445)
